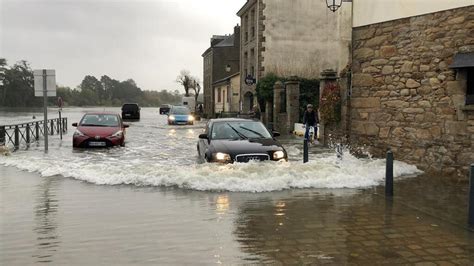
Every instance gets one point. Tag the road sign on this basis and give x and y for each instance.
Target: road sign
(249, 80)
(50, 82)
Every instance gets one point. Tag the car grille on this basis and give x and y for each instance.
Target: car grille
(244, 158)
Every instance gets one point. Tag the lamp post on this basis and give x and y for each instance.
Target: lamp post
(333, 5)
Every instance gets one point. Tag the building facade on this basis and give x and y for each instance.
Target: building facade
(412, 87)
(291, 38)
(227, 94)
(220, 60)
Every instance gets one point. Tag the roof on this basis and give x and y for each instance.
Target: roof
(245, 7)
(229, 41)
(226, 78)
(463, 60)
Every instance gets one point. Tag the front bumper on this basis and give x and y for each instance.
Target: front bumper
(89, 142)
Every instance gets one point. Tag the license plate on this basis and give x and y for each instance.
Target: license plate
(127, 114)
(97, 143)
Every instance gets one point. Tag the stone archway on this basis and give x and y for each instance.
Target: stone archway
(247, 103)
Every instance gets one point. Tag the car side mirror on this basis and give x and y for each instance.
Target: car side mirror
(203, 136)
(126, 125)
(276, 134)
(74, 124)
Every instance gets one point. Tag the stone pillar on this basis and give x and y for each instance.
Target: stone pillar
(327, 76)
(269, 114)
(277, 123)
(292, 103)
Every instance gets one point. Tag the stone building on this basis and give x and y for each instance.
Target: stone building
(290, 38)
(221, 60)
(412, 84)
(227, 94)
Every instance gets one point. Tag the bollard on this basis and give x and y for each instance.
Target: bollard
(52, 127)
(37, 129)
(471, 197)
(2, 135)
(305, 151)
(17, 138)
(58, 124)
(65, 124)
(389, 175)
(27, 134)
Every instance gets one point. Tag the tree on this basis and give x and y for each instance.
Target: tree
(197, 89)
(186, 80)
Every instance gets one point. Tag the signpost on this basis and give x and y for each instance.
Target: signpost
(45, 86)
(60, 124)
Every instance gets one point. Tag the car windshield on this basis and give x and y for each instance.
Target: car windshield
(180, 111)
(99, 120)
(239, 130)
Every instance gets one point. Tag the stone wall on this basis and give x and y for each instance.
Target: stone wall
(405, 96)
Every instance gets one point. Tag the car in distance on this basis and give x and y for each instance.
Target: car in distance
(229, 140)
(99, 130)
(165, 109)
(180, 115)
(130, 111)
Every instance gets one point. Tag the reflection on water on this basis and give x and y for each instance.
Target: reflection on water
(359, 229)
(46, 220)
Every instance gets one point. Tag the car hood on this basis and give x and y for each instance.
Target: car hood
(235, 147)
(98, 131)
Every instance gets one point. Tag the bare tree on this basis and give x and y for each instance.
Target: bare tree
(196, 88)
(186, 81)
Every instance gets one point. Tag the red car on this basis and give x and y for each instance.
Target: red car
(99, 130)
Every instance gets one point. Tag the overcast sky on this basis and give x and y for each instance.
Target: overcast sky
(147, 40)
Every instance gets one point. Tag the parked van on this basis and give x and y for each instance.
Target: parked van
(189, 102)
(130, 111)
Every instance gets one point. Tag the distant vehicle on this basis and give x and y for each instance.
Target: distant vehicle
(228, 140)
(165, 109)
(99, 130)
(189, 102)
(130, 111)
(180, 115)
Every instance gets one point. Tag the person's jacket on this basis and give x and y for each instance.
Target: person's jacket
(310, 118)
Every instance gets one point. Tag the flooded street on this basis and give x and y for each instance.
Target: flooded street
(150, 202)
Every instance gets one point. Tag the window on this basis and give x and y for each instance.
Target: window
(470, 86)
(218, 95)
(246, 36)
(246, 73)
(252, 32)
(252, 71)
(252, 53)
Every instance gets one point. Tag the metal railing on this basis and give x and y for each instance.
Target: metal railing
(30, 132)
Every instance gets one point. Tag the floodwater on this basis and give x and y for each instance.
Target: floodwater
(150, 202)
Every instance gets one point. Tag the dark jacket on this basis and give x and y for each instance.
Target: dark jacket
(310, 118)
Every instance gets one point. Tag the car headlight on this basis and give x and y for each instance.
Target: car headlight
(191, 118)
(117, 134)
(222, 157)
(278, 155)
(78, 133)
(171, 117)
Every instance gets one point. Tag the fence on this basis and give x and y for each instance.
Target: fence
(30, 132)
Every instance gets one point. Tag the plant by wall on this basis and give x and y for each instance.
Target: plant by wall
(265, 87)
(330, 105)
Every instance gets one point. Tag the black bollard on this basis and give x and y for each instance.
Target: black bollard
(471, 197)
(389, 175)
(17, 138)
(305, 151)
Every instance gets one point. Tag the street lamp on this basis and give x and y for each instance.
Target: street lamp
(333, 5)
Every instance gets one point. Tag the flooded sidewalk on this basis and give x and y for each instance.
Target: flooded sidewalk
(61, 221)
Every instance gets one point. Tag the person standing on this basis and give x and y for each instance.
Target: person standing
(310, 119)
